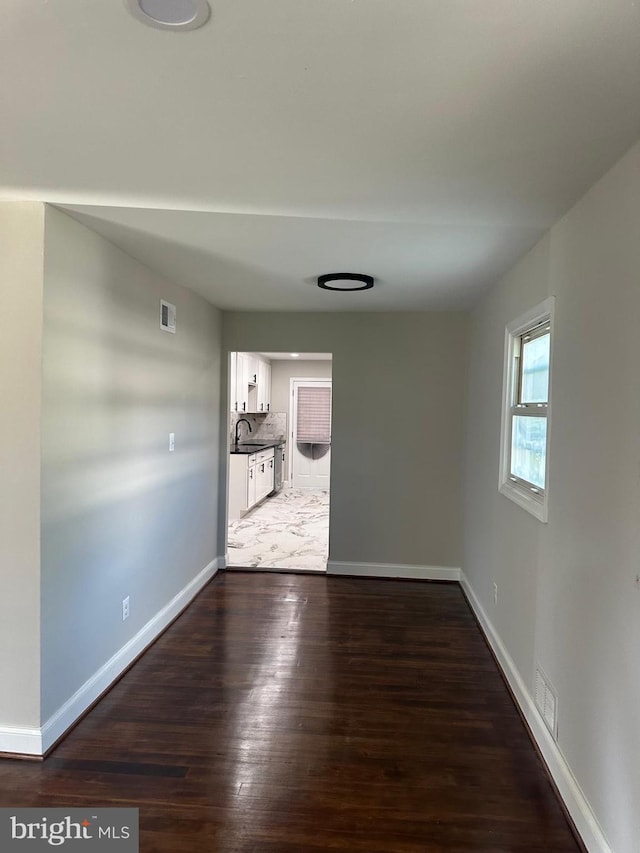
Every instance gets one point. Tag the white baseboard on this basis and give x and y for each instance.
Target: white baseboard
(20, 741)
(34, 741)
(394, 570)
(38, 741)
(82, 699)
(575, 801)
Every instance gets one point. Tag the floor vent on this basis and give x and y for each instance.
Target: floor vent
(547, 702)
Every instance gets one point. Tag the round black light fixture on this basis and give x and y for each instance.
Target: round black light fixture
(345, 281)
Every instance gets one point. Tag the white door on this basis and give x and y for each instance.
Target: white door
(311, 427)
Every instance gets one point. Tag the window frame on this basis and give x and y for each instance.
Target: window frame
(526, 495)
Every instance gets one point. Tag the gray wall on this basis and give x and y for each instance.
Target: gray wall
(283, 371)
(499, 534)
(120, 514)
(398, 426)
(281, 374)
(21, 235)
(568, 595)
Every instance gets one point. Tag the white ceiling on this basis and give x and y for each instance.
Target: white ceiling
(428, 143)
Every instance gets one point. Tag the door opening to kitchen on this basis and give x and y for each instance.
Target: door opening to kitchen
(279, 461)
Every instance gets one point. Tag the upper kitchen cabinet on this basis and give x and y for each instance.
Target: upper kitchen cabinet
(233, 373)
(264, 386)
(252, 368)
(250, 383)
(239, 382)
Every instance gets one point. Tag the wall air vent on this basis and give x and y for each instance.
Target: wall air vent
(167, 316)
(547, 702)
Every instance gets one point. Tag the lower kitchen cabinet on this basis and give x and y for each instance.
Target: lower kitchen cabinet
(251, 486)
(250, 480)
(264, 476)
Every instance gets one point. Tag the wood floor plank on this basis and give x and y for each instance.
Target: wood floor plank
(303, 713)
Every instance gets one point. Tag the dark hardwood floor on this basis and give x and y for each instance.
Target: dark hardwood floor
(298, 713)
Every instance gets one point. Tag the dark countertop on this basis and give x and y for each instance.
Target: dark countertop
(248, 448)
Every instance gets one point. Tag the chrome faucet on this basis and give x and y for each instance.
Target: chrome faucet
(241, 420)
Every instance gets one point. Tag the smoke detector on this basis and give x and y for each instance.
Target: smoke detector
(170, 14)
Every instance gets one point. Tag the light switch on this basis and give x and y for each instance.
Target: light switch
(172, 442)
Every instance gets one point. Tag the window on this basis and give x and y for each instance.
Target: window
(314, 415)
(526, 410)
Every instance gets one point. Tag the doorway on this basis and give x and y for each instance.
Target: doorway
(311, 433)
(286, 529)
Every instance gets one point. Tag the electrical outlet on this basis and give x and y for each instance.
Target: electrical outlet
(172, 442)
(125, 608)
(495, 593)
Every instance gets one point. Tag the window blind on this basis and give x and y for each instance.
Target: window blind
(314, 415)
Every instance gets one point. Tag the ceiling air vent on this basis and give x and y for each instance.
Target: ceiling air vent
(547, 702)
(167, 316)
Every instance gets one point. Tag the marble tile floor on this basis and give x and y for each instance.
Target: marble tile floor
(288, 531)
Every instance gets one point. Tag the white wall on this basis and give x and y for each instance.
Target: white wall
(398, 425)
(21, 235)
(568, 596)
(120, 514)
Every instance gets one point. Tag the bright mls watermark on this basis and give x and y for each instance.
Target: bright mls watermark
(27, 830)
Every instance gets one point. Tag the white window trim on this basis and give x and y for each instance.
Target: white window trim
(534, 504)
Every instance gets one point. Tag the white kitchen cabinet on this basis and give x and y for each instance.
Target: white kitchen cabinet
(264, 473)
(250, 383)
(264, 386)
(253, 363)
(240, 383)
(233, 381)
(242, 484)
(251, 484)
(250, 480)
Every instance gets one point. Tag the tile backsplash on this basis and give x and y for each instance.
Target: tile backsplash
(264, 427)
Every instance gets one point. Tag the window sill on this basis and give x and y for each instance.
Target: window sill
(535, 506)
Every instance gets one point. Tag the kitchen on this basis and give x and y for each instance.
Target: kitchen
(279, 432)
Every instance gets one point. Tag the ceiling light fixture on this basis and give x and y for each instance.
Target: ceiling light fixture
(170, 14)
(294, 354)
(345, 281)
